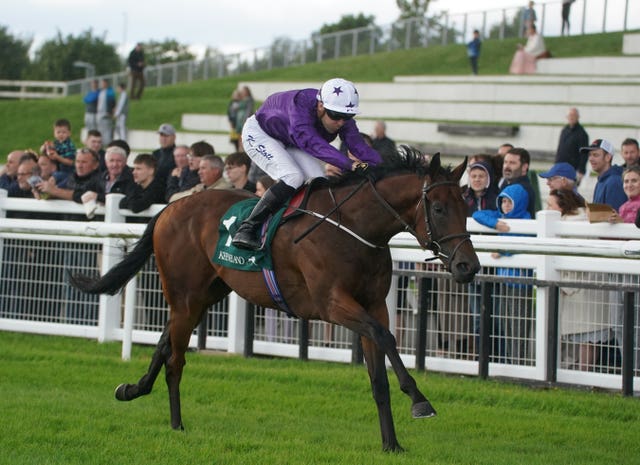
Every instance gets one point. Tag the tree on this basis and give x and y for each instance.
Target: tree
(54, 60)
(412, 8)
(343, 44)
(510, 28)
(14, 55)
(168, 51)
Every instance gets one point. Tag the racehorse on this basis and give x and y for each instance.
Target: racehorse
(332, 263)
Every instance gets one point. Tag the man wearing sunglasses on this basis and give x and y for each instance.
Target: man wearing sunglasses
(290, 136)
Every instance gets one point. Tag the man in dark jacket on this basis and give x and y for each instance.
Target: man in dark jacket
(164, 155)
(514, 171)
(136, 70)
(572, 138)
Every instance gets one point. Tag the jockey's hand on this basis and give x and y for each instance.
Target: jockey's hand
(360, 167)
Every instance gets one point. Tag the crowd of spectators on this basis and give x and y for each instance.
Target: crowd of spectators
(499, 186)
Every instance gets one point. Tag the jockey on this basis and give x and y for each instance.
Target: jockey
(287, 137)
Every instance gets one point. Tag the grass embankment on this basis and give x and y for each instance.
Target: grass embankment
(29, 123)
(56, 397)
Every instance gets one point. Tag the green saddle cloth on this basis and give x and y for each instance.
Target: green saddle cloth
(241, 259)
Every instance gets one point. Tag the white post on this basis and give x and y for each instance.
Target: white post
(547, 226)
(237, 322)
(3, 213)
(129, 315)
(109, 313)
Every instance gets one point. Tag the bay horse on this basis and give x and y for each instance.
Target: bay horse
(339, 272)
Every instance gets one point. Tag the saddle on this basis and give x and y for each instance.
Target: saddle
(301, 198)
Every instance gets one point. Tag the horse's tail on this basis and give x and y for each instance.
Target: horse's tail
(118, 276)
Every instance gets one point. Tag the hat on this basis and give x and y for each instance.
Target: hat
(603, 144)
(167, 129)
(339, 95)
(560, 169)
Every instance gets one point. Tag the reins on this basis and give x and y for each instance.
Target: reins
(323, 218)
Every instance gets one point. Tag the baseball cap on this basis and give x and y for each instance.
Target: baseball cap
(603, 144)
(560, 169)
(167, 129)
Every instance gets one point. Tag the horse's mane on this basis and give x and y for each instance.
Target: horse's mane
(405, 160)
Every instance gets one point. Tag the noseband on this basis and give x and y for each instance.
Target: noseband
(432, 244)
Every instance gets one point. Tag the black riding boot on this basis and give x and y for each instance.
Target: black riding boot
(247, 236)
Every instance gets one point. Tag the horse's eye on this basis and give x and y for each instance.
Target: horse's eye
(438, 208)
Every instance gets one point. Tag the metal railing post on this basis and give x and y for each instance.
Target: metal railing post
(628, 349)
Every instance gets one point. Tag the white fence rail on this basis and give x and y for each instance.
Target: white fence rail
(32, 89)
(450, 327)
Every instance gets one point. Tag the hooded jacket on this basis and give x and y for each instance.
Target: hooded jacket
(487, 200)
(518, 196)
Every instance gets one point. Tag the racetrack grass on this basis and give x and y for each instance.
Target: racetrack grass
(57, 404)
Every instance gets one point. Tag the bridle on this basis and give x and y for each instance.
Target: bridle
(432, 244)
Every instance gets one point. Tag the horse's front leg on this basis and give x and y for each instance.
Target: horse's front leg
(374, 325)
(126, 392)
(380, 390)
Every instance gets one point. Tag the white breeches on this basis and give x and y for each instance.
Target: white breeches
(288, 164)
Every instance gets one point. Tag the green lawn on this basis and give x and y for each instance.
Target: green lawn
(56, 396)
(26, 124)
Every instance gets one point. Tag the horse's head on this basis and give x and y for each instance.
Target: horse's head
(442, 221)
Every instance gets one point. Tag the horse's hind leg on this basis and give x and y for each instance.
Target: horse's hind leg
(186, 312)
(143, 387)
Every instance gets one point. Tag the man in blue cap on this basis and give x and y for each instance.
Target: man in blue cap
(561, 176)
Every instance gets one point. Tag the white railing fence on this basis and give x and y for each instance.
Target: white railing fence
(564, 285)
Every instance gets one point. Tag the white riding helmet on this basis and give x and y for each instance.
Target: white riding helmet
(339, 95)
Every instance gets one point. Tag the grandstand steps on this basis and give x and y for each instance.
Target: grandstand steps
(595, 66)
(147, 141)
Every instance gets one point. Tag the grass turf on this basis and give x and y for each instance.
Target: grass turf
(56, 395)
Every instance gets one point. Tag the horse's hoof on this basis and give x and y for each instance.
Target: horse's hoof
(121, 392)
(396, 448)
(423, 410)
(180, 427)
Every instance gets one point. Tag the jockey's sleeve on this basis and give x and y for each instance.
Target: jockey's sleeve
(356, 144)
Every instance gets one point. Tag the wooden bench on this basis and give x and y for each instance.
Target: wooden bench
(481, 130)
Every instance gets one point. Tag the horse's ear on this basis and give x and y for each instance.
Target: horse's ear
(434, 165)
(459, 170)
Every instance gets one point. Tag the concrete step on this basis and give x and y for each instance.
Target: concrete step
(457, 89)
(631, 44)
(608, 104)
(147, 141)
(518, 113)
(540, 139)
(601, 66)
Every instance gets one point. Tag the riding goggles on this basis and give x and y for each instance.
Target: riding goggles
(335, 116)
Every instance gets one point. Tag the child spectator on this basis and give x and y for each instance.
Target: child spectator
(513, 314)
(62, 150)
(263, 183)
(473, 51)
(236, 169)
